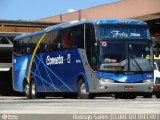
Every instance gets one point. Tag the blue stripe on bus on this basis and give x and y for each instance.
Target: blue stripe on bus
(54, 74)
(46, 81)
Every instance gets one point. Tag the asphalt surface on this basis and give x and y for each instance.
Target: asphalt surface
(103, 105)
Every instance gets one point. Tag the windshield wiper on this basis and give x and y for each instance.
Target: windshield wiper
(139, 67)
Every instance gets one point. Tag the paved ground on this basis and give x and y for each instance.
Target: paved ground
(106, 105)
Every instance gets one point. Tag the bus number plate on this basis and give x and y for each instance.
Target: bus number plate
(128, 88)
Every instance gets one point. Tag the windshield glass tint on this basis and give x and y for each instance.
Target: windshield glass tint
(111, 54)
(140, 56)
(125, 56)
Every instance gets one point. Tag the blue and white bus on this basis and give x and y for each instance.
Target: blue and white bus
(85, 58)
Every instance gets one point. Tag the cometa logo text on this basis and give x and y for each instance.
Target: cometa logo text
(54, 60)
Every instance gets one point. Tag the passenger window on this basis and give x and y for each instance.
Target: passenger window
(66, 39)
(45, 44)
(78, 36)
(56, 37)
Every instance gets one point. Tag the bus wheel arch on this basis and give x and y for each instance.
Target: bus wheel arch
(82, 86)
(81, 77)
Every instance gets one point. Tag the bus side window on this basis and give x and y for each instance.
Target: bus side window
(17, 48)
(55, 40)
(33, 44)
(78, 36)
(24, 46)
(45, 44)
(66, 39)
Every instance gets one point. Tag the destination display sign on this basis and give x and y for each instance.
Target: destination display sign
(125, 32)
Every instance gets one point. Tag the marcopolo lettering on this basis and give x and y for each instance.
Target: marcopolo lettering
(54, 60)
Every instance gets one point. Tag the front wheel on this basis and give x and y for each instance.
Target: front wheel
(82, 92)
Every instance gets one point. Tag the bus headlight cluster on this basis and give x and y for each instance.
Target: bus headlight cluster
(148, 81)
(104, 80)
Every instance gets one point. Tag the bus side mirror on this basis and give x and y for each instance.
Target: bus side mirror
(157, 52)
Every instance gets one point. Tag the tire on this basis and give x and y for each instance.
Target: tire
(34, 93)
(33, 90)
(82, 93)
(27, 90)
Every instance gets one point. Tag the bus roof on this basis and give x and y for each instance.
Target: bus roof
(93, 21)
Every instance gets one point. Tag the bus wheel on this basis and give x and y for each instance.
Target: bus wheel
(33, 90)
(82, 93)
(27, 90)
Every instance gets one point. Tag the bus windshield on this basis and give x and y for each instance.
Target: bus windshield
(125, 55)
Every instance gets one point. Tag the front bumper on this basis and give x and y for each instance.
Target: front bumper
(124, 87)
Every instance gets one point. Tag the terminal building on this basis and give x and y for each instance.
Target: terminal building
(144, 10)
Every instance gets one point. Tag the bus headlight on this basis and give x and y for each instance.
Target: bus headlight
(105, 80)
(148, 81)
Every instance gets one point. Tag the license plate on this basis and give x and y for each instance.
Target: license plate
(128, 88)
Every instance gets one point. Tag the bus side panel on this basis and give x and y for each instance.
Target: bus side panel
(57, 71)
(20, 71)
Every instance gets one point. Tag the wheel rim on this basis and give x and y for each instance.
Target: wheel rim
(83, 89)
(33, 89)
(26, 89)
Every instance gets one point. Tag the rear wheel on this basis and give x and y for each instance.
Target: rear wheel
(34, 93)
(33, 90)
(82, 92)
(27, 90)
